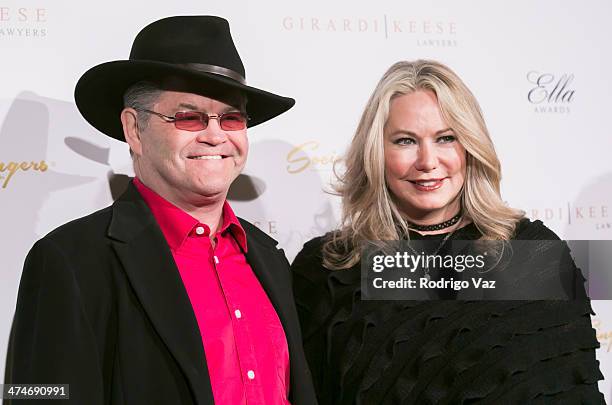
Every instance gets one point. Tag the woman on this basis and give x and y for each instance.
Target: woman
(422, 167)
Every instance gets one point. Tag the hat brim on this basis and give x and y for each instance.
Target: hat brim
(99, 92)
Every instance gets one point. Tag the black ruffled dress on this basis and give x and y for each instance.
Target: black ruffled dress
(442, 351)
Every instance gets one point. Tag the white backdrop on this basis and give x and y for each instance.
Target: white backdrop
(537, 70)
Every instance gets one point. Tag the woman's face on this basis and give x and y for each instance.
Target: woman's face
(424, 162)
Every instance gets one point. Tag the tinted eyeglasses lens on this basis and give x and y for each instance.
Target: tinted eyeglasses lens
(232, 121)
(191, 121)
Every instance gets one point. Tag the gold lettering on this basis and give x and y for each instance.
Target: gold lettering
(604, 337)
(299, 163)
(303, 161)
(13, 167)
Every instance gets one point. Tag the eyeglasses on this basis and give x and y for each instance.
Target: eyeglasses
(198, 121)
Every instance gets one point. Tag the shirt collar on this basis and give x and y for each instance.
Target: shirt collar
(177, 225)
(231, 222)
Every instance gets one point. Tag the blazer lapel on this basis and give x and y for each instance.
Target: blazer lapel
(151, 270)
(272, 270)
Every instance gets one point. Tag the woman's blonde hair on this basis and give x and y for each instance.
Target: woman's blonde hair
(369, 211)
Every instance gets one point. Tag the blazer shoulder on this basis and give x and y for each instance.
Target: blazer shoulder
(75, 257)
(90, 226)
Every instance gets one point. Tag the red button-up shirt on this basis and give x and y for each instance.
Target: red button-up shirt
(245, 345)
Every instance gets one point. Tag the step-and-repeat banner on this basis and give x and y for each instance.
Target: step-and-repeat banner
(539, 69)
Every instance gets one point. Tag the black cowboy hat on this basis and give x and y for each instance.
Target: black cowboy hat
(197, 50)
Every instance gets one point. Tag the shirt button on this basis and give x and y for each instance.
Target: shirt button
(200, 230)
(251, 374)
(216, 259)
(238, 314)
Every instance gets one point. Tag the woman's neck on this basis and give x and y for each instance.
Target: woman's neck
(460, 224)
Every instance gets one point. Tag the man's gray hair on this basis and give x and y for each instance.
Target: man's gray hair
(141, 96)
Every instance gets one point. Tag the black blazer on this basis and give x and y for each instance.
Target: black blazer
(102, 307)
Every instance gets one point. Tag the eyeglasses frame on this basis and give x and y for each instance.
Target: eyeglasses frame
(217, 117)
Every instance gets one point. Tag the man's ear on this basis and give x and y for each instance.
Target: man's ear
(129, 121)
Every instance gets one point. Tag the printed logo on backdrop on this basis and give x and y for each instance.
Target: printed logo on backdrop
(24, 135)
(550, 93)
(311, 156)
(426, 32)
(269, 226)
(9, 169)
(597, 215)
(604, 334)
(23, 22)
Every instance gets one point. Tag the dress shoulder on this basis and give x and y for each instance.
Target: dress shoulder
(533, 230)
(310, 284)
(311, 249)
(543, 262)
(307, 267)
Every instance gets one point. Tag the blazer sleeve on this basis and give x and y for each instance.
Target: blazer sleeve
(52, 341)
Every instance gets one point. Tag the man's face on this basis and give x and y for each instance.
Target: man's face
(185, 166)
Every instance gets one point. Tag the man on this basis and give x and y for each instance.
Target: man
(166, 297)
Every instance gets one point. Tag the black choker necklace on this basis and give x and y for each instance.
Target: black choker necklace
(435, 227)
